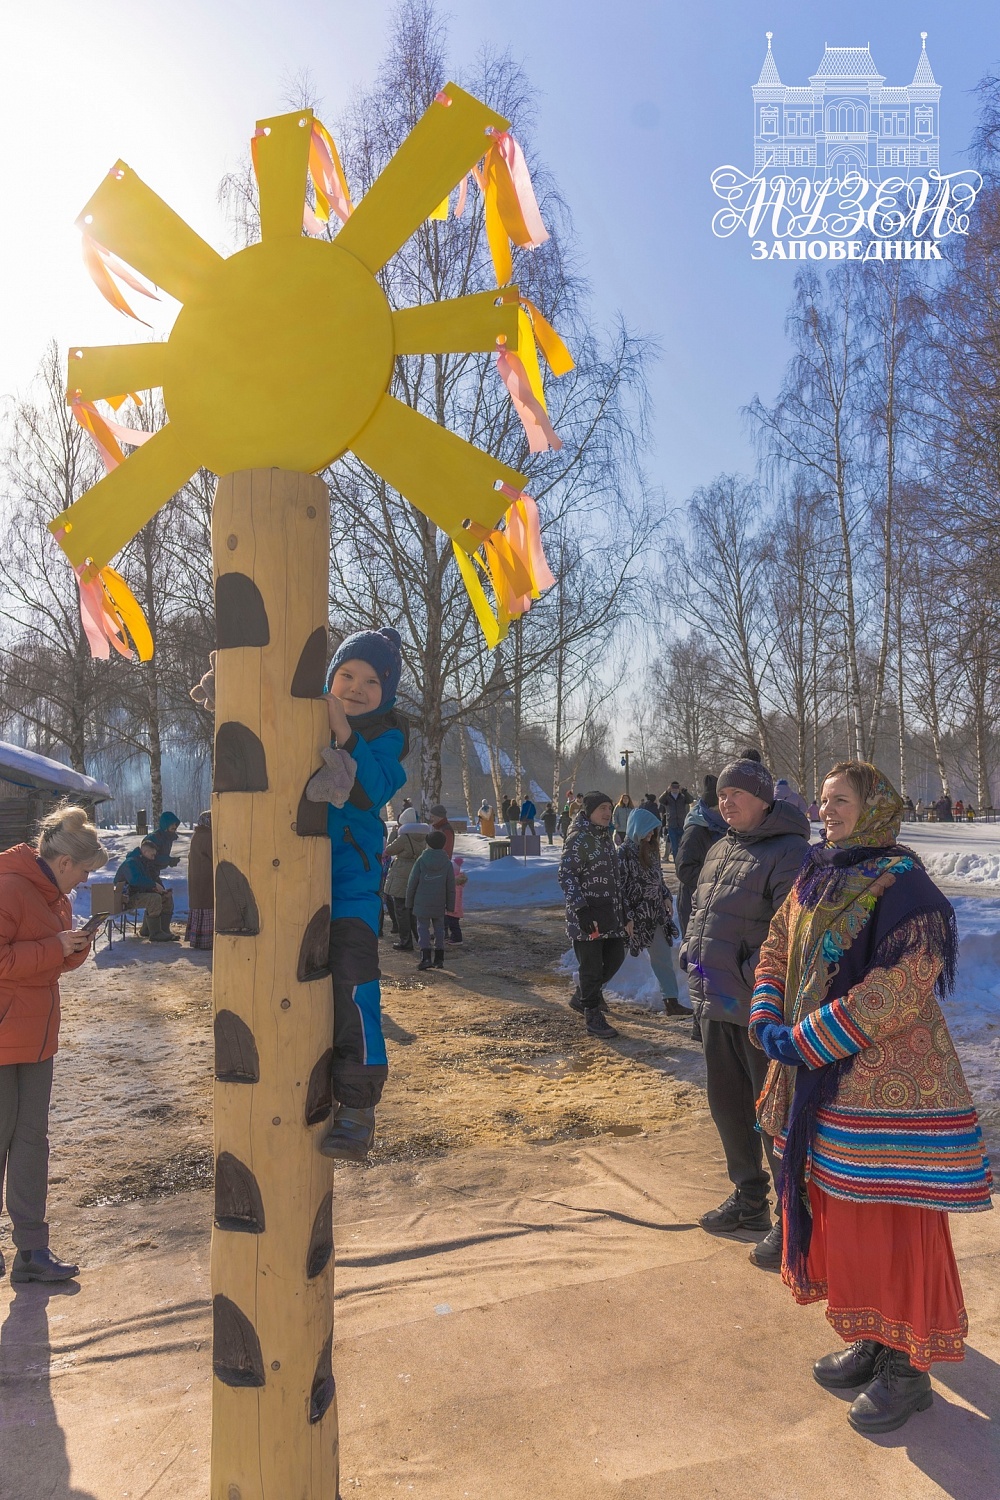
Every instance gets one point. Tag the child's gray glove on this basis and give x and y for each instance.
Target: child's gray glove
(334, 780)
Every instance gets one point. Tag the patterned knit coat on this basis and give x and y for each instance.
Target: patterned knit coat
(589, 872)
(902, 1127)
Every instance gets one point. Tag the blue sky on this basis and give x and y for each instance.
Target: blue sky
(638, 102)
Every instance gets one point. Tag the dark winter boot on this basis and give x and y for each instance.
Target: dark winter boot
(767, 1254)
(897, 1391)
(155, 926)
(598, 1025)
(576, 1003)
(425, 960)
(439, 958)
(41, 1265)
(673, 1007)
(848, 1369)
(737, 1213)
(3, 1264)
(351, 1134)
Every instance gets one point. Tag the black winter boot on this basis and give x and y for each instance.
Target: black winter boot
(576, 1003)
(848, 1369)
(41, 1265)
(351, 1134)
(767, 1254)
(598, 1025)
(425, 960)
(439, 958)
(897, 1391)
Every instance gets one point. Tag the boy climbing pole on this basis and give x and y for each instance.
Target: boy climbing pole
(361, 773)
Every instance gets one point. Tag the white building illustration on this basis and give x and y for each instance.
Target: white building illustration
(847, 120)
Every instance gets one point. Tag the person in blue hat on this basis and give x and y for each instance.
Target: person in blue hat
(371, 740)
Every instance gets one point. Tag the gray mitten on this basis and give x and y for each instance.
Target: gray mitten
(333, 781)
(204, 692)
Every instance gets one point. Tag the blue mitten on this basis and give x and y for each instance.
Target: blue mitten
(777, 1043)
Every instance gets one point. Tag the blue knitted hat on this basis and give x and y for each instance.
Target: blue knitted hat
(381, 650)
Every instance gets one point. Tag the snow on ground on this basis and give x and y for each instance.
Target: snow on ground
(957, 853)
(508, 882)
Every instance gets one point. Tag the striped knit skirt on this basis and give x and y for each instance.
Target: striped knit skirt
(887, 1272)
(200, 930)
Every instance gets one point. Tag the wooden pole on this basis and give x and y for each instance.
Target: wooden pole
(274, 1415)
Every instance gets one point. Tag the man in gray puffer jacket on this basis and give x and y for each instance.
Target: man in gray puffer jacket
(745, 878)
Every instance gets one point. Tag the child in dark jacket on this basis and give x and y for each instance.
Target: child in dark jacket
(430, 893)
(361, 691)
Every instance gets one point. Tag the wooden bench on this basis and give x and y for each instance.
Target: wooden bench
(499, 848)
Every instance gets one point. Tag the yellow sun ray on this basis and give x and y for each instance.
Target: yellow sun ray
(282, 355)
(440, 473)
(444, 144)
(107, 517)
(112, 369)
(462, 325)
(128, 218)
(281, 160)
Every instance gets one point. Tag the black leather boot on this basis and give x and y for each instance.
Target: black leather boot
(439, 958)
(848, 1369)
(767, 1255)
(41, 1265)
(425, 960)
(897, 1391)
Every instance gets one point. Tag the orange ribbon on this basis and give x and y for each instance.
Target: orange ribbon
(102, 266)
(512, 557)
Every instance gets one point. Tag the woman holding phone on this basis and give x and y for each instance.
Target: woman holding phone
(37, 945)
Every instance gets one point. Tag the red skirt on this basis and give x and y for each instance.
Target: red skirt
(887, 1273)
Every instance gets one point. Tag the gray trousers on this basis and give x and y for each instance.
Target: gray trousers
(661, 958)
(24, 1149)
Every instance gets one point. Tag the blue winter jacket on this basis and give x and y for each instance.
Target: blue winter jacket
(137, 873)
(357, 834)
(163, 838)
(528, 810)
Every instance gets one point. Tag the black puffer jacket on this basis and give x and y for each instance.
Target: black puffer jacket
(745, 878)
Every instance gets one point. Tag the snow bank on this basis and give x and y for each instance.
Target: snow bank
(957, 853)
(508, 882)
(635, 983)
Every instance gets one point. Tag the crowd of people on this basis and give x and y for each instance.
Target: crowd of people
(815, 972)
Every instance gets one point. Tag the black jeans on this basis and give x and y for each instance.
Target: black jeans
(24, 1149)
(598, 959)
(736, 1070)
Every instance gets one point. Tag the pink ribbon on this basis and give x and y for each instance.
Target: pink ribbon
(521, 180)
(540, 433)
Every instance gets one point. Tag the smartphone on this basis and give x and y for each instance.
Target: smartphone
(92, 924)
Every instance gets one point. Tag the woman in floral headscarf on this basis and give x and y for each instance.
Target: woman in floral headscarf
(866, 1101)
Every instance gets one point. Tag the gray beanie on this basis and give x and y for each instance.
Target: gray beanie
(749, 776)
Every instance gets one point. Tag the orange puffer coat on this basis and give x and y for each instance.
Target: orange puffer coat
(33, 911)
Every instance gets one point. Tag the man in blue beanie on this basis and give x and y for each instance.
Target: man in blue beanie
(361, 693)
